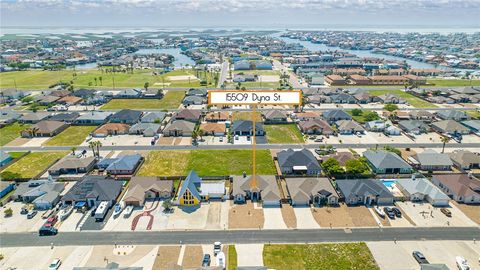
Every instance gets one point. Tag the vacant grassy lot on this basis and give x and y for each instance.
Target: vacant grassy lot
(458, 82)
(288, 133)
(365, 116)
(34, 163)
(171, 100)
(11, 132)
(39, 79)
(253, 85)
(232, 258)
(72, 136)
(247, 116)
(320, 256)
(412, 100)
(205, 162)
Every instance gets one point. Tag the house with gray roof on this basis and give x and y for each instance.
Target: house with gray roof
(349, 127)
(315, 126)
(45, 128)
(145, 129)
(245, 128)
(343, 98)
(450, 127)
(452, 115)
(264, 188)
(473, 125)
(416, 127)
(430, 160)
(364, 191)
(121, 165)
(200, 92)
(8, 117)
(93, 118)
(68, 117)
(316, 191)
(332, 116)
(128, 93)
(375, 125)
(384, 162)
(193, 100)
(153, 117)
(33, 118)
(421, 189)
(465, 160)
(468, 90)
(179, 128)
(92, 190)
(42, 194)
(188, 115)
(72, 165)
(301, 162)
(275, 117)
(126, 116)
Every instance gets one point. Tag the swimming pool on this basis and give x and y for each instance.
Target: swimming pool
(388, 183)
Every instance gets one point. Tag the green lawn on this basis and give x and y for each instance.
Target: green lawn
(39, 79)
(474, 114)
(456, 82)
(72, 136)
(287, 133)
(11, 132)
(232, 258)
(205, 162)
(34, 163)
(319, 256)
(171, 100)
(362, 117)
(16, 154)
(411, 99)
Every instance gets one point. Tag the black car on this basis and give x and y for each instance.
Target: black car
(206, 260)
(397, 212)
(419, 257)
(389, 212)
(45, 231)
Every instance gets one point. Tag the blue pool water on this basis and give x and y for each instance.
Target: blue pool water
(388, 183)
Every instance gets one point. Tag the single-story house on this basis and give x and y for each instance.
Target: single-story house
(153, 117)
(69, 117)
(341, 157)
(413, 126)
(422, 189)
(347, 127)
(6, 187)
(111, 129)
(450, 127)
(300, 162)
(315, 126)
(392, 130)
(44, 128)
(304, 116)
(5, 158)
(245, 128)
(93, 118)
(92, 190)
(366, 97)
(465, 160)
(343, 98)
(332, 116)
(201, 92)
(464, 188)
(72, 165)
(275, 116)
(421, 115)
(34, 117)
(188, 115)
(452, 115)
(364, 191)
(375, 125)
(214, 129)
(126, 116)
(144, 188)
(8, 117)
(264, 188)
(193, 100)
(316, 191)
(390, 98)
(220, 116)
(43, 194)
(473, 125)
(145, 129)
(430, 160)
(384, 162)
(179, 128)
(69, 100)
(122, 165)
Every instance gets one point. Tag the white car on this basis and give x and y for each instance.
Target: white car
(55, 264)
(462, 263)
(217, 248)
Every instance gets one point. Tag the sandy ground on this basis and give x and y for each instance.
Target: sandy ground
(189, 218)
(244, 216)
(192, 257)
(218, 215)
(70, 224)
(182, 78)
(289, 217)
(273, 218)
(18, 222)
(166, 256)
(122, 140)
(344, 216)
(391, 256)
(381, 222)
(18, 142)
(305, 219)
(269, 78)
(249, 255)
(425, 215)
(470, 210)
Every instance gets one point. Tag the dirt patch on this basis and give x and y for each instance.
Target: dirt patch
(166, 257)
(130, 256)
(289, 216)
(193, 257)
(343, 216)
(244, 216)
(166, 140)
(471, 211)
(18, 142)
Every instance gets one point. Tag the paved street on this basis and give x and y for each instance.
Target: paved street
(223, 74)
(241, 236)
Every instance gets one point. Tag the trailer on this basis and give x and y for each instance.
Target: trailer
(101, 211)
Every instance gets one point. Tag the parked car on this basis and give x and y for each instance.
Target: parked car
(220, 139)
(47, 231)
(397, 212)
(389, 212)
(55, 264)
(379, 212)
(318, 140)
(24, 211)
(31, 214)
(419, 257)
(462, 263)
(206, 260)
(446, 212)
(217, 247)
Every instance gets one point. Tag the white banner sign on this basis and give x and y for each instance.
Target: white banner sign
(218, 97)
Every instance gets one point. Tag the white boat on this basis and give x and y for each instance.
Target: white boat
(128, 211)
(65, 212)
(117, 209)
(221, 260)
(379, 211)
(462, 263)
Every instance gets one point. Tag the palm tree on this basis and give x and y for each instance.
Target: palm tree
(200, 133)
(95, 79)
(91, 145)
(98, 145)
(100, 78)
(444, 140)
(195, 135)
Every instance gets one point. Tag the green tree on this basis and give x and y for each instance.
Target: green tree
(390, 107)
(167, 204)
(357, 112)
(355, 166)
(332, 167)
(370, 116)
(444, 140)
(8, 212)
(146, 85)
(73, 149)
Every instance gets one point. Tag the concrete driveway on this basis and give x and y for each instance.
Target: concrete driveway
(249, 255)
(273, 218)
(424, 214)
(305, 219)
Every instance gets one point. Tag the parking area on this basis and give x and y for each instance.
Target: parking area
(122, 140)
(213, 140)
(425, 215)
(188, 218)
(398, 256)
(18, 222)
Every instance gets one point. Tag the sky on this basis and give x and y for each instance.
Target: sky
(239, 13)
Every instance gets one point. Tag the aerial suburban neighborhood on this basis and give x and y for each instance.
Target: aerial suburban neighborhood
(114, 154)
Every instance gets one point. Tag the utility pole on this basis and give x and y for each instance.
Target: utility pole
(253, 183)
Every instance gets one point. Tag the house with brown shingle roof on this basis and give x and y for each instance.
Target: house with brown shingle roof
(315, 126)
(111, 129)
(464, 188)
(69, 100)
(217, 116)
(266, 189)
(306, 191)
(143, 188)
(188, 115)
(214, 129)
(44, 129)
(275, 116)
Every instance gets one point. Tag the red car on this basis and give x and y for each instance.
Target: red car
(51, 221)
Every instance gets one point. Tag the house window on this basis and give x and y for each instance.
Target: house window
(188, 199)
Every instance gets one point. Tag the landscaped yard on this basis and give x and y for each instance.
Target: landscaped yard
(287, 133)
(411, 99)
(72, 136)
(10, 132)
(455, 82)
(171, 100)
(205, 162)
(474, 114)
(364, 116)
(319, 256)
(34, 163)
(39, 79)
